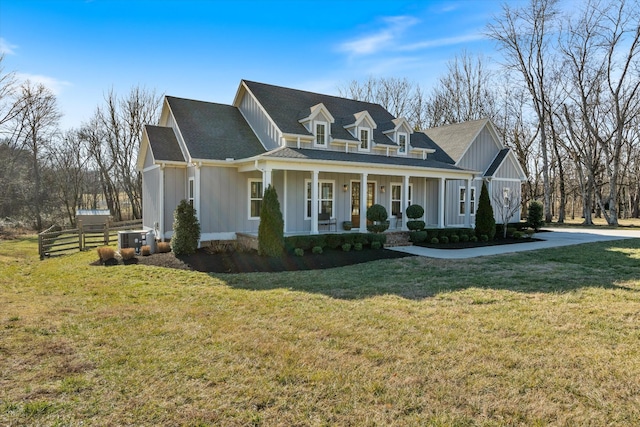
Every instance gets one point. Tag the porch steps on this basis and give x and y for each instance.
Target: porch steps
(397, 238)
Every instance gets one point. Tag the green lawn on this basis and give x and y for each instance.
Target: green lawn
(546, 337)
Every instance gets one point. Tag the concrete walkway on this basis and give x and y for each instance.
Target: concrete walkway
(555, 237)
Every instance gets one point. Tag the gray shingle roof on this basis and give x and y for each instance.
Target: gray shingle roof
(164, 144)
(502, 154)
(214, 131)
(456, 138)
(340, 156)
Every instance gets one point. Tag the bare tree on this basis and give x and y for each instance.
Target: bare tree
(507, 206)
(394, 94)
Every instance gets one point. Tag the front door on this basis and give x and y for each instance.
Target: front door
(355, 200)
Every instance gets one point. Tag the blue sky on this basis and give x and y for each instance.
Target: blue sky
(202, 49)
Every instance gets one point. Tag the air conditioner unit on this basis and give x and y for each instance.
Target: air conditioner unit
(136, 239)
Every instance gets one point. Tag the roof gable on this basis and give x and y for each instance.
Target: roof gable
(456, 139)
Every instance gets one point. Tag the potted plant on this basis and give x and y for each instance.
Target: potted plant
(347, 225)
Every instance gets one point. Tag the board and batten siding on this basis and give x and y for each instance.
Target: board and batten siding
(497, 189)
(265, 130)
(175, 190)
(507, 170)
(481, 152)
(431, 204)
(151, 197)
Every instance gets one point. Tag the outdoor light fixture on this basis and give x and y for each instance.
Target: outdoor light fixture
(382, 188)
(345, 187)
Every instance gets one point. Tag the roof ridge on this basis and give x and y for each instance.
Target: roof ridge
(485, 119)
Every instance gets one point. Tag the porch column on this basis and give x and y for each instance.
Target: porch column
(363, 202)
(441, 204)
(161, 206)
(196, 192)
(405, 202)
(314, 202)
(467, 204)
(266, 178)
(284, 202)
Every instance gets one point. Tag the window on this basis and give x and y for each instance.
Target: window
(463, 195)
(325, 198)
(255, 198)
(402, 142)
(321, 133)
(506, 195)
(396, 198)
(364, 139)
(191, 191)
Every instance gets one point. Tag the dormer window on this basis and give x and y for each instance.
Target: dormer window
(365, 139)
(402, 143)
(321, 134)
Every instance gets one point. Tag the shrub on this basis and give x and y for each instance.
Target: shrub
(357, 246)
(298, 251)
(444, 239)
(485, 222)
(334, 241)
(145, 250)
(511, 230)
(473, 239)
(418, 236)
(186, 229)
(377, 214)
(349, 238)
(535, 216)
(127, 253)
(414, 211)
(518, 235)
(164, 247)
(416, 225)
(464, 238)
(106, 253)
(455, 238)
(362, 238)
(346, 247)
(484, 238)
(317, 249)
(271, 229)
(435, 241)
(376, 245)
(380, 238)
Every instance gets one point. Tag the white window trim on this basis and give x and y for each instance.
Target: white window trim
(360, 129)
(191, 191)
(472, 200)
(406, 143)
(326, 133)
(251, 181)
(307, 182)
(391, 199)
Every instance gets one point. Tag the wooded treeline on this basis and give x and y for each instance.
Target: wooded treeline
(566, 99)
(47, 173)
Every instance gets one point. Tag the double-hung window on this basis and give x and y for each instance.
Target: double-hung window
(255, 198)
(396, 198)
(191, 191)
(463, 200)
(365, 139)
(321, 134)
(325, 198)
(402, 143)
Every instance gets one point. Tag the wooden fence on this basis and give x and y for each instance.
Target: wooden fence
(58, 241)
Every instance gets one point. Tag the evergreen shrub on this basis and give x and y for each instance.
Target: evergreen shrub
(377, 214)
(271, 229)
(535, 216)
(357, 247)
(298, 251)
(186, 229)
(444, 239)
(435, 241)
(485, 222)
(317, 249)
(376, 245)
(346, 247)
(418, 236)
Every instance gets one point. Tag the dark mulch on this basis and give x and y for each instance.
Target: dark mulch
(251, 262)
(467, 245)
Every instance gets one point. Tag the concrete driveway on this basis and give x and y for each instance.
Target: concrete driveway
(553, 238)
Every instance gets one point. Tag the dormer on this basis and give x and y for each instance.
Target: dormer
(400, 133)
(362, 128)
(317, 120)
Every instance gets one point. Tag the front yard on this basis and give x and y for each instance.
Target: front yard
(541, 337)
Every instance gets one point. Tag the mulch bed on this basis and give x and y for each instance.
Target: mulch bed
(251, 262)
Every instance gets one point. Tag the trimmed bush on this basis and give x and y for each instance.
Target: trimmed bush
(106, 253)
(416, 225)
(334, 241)
(435, 241)
(418, 236)
(298, 251)
(164, 247)
(473, 239)
(376, 245)
(186, 229)
(145, 250)
(464, 238)
(484, 238)
(455, 238)
(485, 222)
(377, 214)
(518, 235)
(380, 238)
(357, 247)
(346, 247)
(414, 211)
(127, 253)
(444, 239)
(317, 250)
(271, 229)
(535, 215)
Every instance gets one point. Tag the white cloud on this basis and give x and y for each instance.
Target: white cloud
(447, 41)
(54, 85)
(372, 43)
(6, 47)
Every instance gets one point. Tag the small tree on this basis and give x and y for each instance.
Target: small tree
(509, 205)
(271, 229)
(413, 213)
(377, 214)
(535, 215)
(485, 222)
(186, 229)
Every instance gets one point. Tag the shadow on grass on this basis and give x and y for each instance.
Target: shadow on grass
(609, 265)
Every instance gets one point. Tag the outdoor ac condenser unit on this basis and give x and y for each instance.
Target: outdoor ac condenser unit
(136, 239)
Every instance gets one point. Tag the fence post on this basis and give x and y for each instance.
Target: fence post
(80, 236)
(106, 233)
(40, 247)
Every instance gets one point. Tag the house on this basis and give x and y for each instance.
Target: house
(329, 158)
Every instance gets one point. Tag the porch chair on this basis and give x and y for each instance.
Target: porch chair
(399, 220)
(324, 219)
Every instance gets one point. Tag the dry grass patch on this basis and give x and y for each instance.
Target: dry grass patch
(537, 338)
(164, 247)
(106, 253)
